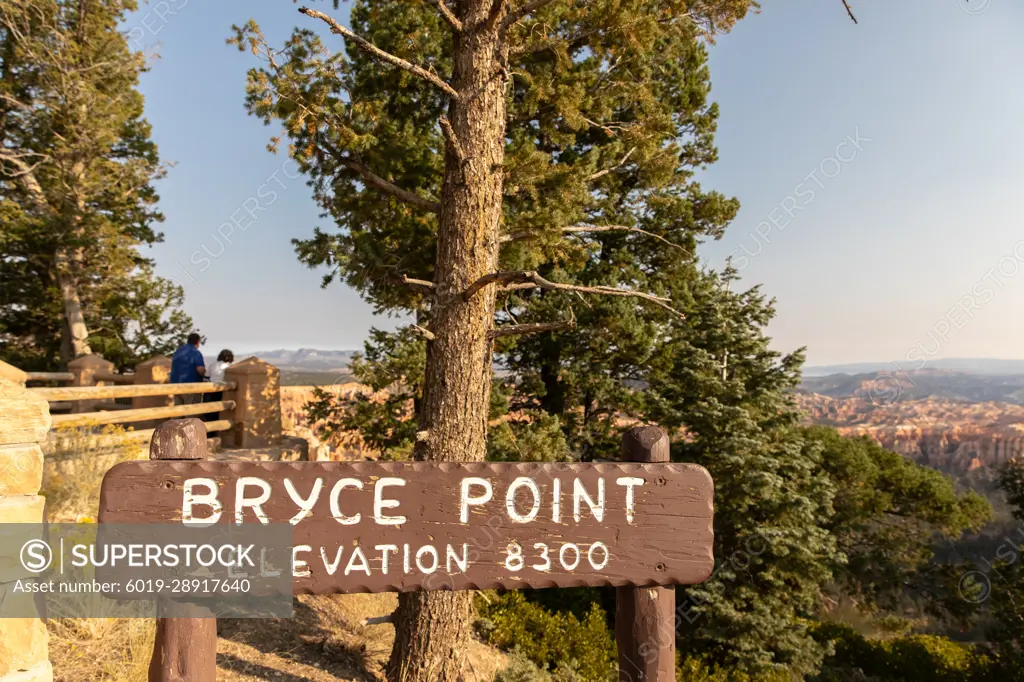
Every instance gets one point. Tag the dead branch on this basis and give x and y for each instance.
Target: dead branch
(17, 159)
(529, 279)
(535, 328)
(531, 6)
(376, 620)
(420, 285)
(577, 229)
(453, 141)
(425, 333)
(381, 54)
(849, 11)
(448, 15)
(606, 171)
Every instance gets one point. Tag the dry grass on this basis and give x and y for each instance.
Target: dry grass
(111, 648)
(76, 461)
(326, 642)
(108, 649)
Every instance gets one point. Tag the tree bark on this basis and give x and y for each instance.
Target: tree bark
(78, 341)
(432, 628)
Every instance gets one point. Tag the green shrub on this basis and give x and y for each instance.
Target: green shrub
(902, 659)
(521, 669)
(696, 670)
(573, 648)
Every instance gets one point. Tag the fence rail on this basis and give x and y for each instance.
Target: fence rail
(115, 378)
(138, 415)
(250, 403)
(136, 391)
(145, 435)
(49, 376)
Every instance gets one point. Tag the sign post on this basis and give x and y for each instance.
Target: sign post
(185, 648)
(645, 616)
(640, 525)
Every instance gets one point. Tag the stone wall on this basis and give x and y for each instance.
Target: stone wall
(24, 423)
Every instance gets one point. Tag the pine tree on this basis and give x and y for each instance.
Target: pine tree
(459, 147)
(77, 167)
(889, 513)
(501, 156)
(997, 586)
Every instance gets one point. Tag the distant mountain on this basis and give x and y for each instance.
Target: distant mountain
(966, 365)
(303, 359)
(887, 387)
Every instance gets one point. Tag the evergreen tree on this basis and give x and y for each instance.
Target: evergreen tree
(500, 156)
(716, 380)
(998, 586)
(77, 167)
(460, 147)
(889, 512)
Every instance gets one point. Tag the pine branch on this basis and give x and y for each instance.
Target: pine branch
(452, 139)
(425, 333)
(849, 11)
(529, 279)
(17, 159)
(380, 54)
(577, 229)
(373, 180)
(448, 15)
(25, 176)
(606, 171)
(535, 328)
(531, 6)
(416, 284)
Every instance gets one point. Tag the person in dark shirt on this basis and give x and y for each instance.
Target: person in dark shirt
(188, 367)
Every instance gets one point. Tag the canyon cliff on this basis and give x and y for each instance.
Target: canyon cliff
(952, 436)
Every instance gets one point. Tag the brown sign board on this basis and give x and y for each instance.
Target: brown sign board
(396, 527)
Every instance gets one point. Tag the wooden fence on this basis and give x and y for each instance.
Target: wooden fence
(248, 416)
(93, 394)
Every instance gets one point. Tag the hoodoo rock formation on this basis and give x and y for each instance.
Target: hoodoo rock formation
(951, 436)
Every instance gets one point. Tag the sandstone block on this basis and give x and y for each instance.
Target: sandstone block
(21, 469)
(42, 672)
(24, 416)
(23, 646)
(257, 412)
(12, 374)
(22, 509)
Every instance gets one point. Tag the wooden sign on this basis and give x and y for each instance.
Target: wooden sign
(378, 527)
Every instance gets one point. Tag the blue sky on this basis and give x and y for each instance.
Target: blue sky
(879, 167)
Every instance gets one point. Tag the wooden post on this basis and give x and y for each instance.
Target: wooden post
(645, 616)
(186, 648)
(24, 423)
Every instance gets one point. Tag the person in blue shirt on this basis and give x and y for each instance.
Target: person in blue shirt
(188, 367)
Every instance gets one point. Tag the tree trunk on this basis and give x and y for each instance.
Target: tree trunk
(74, 319)
(432, 628)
